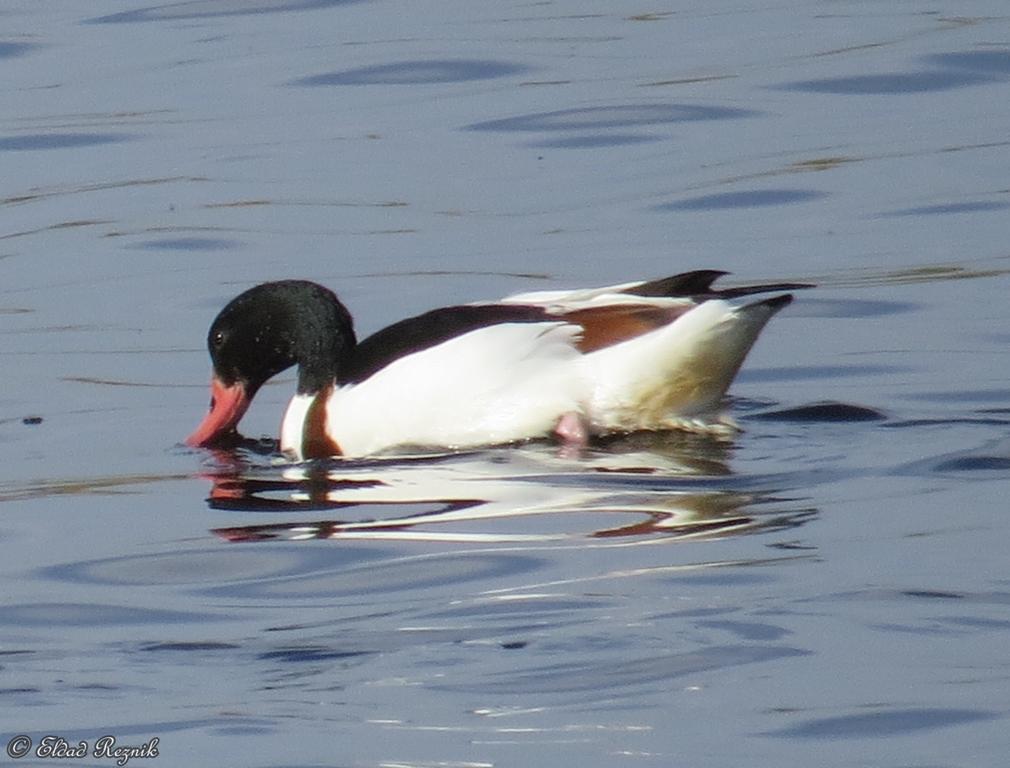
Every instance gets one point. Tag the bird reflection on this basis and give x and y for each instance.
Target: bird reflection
(642, 488)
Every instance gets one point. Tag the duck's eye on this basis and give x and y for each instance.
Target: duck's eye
(217, 340)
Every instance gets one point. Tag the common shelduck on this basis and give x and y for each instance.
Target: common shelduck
(651, 355)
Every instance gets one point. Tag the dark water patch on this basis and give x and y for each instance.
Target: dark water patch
(910, 629)
(603, 118)
(794, 546)
(188, 244)
(974, 464)
(883, 723)
(978, 463)
(975, 622)
(194, 646)
(756, 198)
(588, 141)
(892, 83)
(948, 208)
(925, 594)
(46, 141)
(821, 412)
(995, 335)
(931, 594)
(492, 634)
(13, 50)
(748, 630)
(204, 9)
(418, 72)
(93, 615)
(977, 61)
(592, 676)
(313, 653)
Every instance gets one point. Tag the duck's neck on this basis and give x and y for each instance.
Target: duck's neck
(322, 349)
(315, 376)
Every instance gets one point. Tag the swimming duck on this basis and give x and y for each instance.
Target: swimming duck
(649, 355)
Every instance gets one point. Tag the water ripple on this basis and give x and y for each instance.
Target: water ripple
(13, 50)
(419, 72)
(623, 116)
(209, 566)
(754, 198)
(882, 723)
(46, 141)
(891, 83)
(606, 126)
(982, 206)
(203, 9)
(93, 615)
(189, 244)
(978, 61)
(592, 676)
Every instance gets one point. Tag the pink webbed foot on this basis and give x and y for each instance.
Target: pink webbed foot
(574, 433)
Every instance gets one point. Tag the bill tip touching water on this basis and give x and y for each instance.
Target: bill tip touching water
(571, 365)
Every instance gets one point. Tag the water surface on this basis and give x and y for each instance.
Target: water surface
(829, 586)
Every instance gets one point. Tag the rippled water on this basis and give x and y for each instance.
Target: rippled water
(830, 586)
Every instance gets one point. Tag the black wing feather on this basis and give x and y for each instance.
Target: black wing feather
(428, 330)
(698, 285)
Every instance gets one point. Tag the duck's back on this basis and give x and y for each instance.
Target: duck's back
(498, 384)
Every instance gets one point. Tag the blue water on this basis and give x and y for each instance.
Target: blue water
(829, 587)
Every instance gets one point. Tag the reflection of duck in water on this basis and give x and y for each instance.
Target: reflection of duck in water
(638, 356)
(504, 496)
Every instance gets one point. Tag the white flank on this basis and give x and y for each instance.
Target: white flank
(293, 424)
(493, 385)
(675, 373)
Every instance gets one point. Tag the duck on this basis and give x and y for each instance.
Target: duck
(569, 365)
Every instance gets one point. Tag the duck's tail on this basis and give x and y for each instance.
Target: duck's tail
(677, 374)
